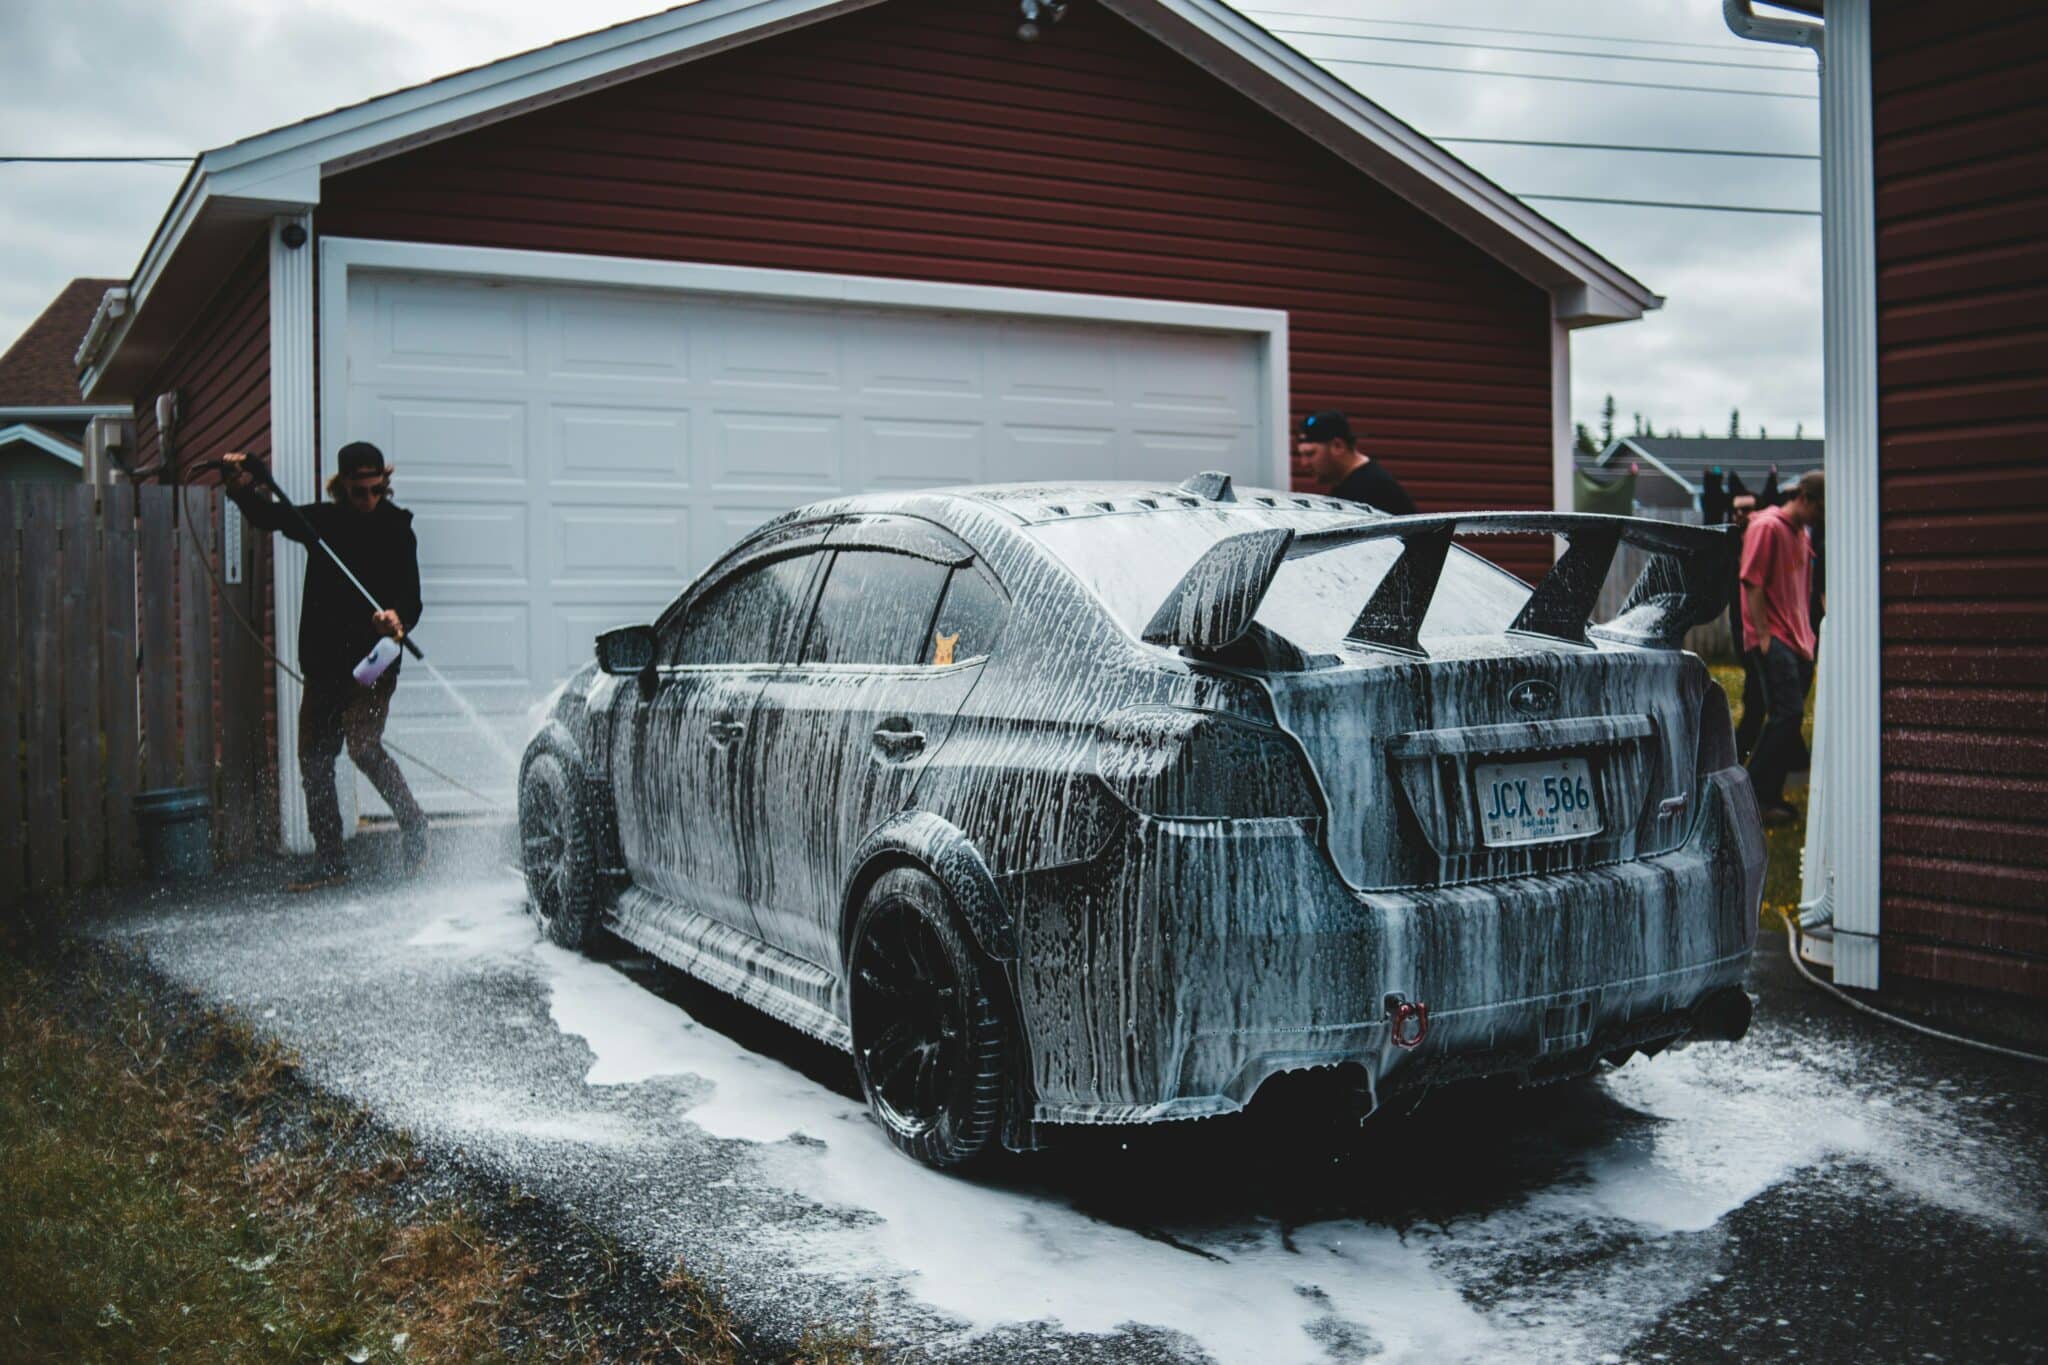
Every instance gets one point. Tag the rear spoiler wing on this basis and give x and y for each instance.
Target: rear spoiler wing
(1685, 582)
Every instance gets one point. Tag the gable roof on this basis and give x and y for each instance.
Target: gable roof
(1686, 459)
(36, 371)
(230, 193)
(49, 442)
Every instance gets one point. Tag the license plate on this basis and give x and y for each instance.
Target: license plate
(1536, 803)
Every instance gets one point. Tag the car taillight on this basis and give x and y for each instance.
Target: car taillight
(1717, 733)
(1203, 765)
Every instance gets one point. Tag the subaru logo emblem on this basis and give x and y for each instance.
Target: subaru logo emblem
(1533, 697)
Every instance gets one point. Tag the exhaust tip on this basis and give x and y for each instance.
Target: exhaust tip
(1724, 1016)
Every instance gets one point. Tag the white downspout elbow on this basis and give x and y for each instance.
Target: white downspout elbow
(1745, 22)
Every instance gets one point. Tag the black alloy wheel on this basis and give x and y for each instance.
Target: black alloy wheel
(927, 1038)
(557, 853)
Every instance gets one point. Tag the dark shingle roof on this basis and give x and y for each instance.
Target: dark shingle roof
(1692, 456)
(37, 371)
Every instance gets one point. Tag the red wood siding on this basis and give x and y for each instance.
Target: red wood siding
(1961, 148)
(921, 139)
(221, 371)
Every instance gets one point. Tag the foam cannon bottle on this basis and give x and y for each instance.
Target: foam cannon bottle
(381, 656)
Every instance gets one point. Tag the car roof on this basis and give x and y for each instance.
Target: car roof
(1030, 504)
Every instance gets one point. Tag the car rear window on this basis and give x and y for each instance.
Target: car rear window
(1132, 562)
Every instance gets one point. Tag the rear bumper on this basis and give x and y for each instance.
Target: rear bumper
(1171, 975)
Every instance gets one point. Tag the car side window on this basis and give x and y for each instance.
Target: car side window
(743, 620)
(970, 617)
(876, 608)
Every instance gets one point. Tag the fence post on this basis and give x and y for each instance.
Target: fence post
(118, 679)
(82, 618)
(40, 507)
(195, 641)
(154, 579)
(13, 837)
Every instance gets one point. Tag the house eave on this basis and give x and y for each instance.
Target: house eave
(280, 171)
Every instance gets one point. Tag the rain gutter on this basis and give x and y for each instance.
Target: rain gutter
(1844, 855)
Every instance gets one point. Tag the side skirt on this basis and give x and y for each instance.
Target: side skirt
(784, 987)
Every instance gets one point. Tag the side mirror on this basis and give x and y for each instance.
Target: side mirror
(627, 651)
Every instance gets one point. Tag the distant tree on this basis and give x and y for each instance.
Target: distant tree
(1638, 424)
(1649, 428)
(1607, 422)
(1584, 444)
(1734, 422)
(1799, 431)
(1761, 434)
(1703, 433)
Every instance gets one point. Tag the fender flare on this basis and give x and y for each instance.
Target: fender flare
(942, 850)
(559, 742)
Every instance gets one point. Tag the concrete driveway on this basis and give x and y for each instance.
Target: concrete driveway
(1828, 1187)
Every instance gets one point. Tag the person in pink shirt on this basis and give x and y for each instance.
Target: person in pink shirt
(1777, 636)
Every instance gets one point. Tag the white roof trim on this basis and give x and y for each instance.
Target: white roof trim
(73, 412)
(1641, 454)
(280, 171)
(43, 441)
(1395, 152)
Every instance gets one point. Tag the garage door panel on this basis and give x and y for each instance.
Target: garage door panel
(445, 437)
(763, 346)
(1057, 453)
(609, 337)
(915, 358)
(897, 452)
(766, 447)
(600, 544)
(620, 443)
(1194, 378)
(471, 542)
(574, 456)
(464, 329)
(1063, 367)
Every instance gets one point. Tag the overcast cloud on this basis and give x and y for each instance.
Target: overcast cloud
(1741, 327)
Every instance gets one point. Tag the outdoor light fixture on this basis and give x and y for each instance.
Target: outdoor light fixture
(293, 235)
(1051, 11)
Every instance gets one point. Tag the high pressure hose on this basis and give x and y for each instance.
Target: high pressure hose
(1792, 937)
(227, 602)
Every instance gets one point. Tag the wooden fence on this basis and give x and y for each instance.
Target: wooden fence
(1712, 641)
(117, 677)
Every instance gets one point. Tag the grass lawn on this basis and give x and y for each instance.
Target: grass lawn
(1787, 842)
(174, 1192)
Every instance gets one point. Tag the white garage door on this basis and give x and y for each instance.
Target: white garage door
(572, 456)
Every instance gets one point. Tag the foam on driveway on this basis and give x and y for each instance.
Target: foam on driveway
(457, 1021)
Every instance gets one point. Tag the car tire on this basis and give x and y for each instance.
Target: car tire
(557, 852)
(928, 1038)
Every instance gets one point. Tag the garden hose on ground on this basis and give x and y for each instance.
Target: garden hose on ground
(1792, 937)
(221, 591)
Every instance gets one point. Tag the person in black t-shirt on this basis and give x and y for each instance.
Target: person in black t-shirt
(1334, 459)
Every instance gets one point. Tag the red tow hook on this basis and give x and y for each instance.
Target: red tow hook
(1404, 1013)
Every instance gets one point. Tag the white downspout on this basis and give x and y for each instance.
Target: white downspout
(1844, 852)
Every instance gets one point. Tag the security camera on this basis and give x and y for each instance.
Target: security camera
(1051, 11)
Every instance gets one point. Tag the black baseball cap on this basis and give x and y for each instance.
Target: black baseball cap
(359, 457)
(1329, 425)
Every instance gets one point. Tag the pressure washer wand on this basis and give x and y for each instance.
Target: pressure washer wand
(262, 474)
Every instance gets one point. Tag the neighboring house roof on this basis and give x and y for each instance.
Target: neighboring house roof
(232, 191)
(49, 442)
(1685, 460)
(37, 370)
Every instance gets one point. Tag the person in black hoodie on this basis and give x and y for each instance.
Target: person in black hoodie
(337, 628)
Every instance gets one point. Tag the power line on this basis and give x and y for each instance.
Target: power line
(1546, 51)
(1574, 80)
(1667, 204)
(1629, 147)
(1488, 28)
(102, 160)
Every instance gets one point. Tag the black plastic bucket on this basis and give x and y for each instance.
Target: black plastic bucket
(177, 832)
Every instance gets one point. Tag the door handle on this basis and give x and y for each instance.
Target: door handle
(726, 731)
(898, 743)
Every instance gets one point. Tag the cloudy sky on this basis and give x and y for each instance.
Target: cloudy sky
(1741, 328)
